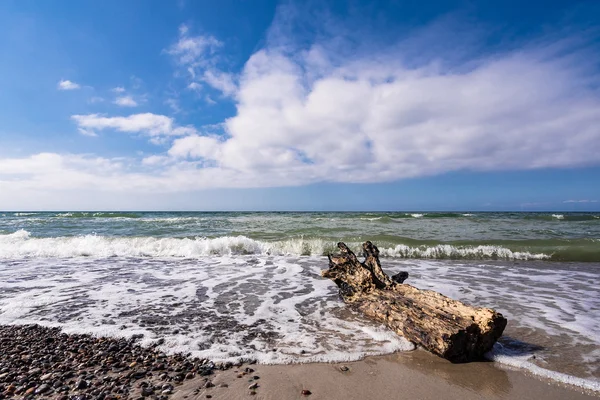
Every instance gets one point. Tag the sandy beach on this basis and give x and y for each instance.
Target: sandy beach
(412, 375)
(37, 362)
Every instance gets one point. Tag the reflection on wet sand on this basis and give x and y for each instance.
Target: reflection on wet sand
(480, 377)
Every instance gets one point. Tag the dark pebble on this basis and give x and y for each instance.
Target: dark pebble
(147, 391)
(81, 384)
(42, 388)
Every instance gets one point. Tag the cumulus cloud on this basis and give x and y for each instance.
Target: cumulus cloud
(148, 124)
(65, 84)
(53, 172)
(118, 89)
(125, 101)
(196, 147)
(310, 115)
(580, 201)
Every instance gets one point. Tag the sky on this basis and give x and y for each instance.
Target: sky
(308, 105)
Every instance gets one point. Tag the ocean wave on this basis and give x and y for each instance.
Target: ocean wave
(563, 217)
(447, 251)
(97, 215)
(21, 244)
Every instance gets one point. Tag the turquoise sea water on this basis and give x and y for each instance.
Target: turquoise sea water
(541, 236)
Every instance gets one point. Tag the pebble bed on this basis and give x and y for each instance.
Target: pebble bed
(40, 362)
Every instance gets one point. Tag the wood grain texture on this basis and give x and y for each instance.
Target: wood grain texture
(446, 327)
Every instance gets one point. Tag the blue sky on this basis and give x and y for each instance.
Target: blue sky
(268, 105)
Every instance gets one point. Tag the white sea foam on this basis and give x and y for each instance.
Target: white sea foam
(506, 356)
(448, 251)
(244, 306)
(20, 244)
(417, 215)
(23, 214)
(558, 216)
(223, 309)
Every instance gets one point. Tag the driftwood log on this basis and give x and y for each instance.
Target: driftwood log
(446, 327)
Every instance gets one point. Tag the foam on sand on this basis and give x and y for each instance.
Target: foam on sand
(231, 307)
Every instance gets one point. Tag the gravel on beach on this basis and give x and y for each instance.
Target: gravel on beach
(40, 362)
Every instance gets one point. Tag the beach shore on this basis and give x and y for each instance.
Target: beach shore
(37, 362)
(408, 375)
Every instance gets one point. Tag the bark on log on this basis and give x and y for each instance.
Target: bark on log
(446, 327)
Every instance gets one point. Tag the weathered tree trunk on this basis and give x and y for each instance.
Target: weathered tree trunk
(446, 327)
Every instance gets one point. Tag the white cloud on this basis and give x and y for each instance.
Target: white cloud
(194, 50)
(197, 56)
(373, 119)
(156, 160)
(173, 103)
(195, 86)
(87, 132)
(221, 81)
(118, 89)
(65, 84)
(148, 124)
(196, 147)
(580, 201)
(55, 171)
(125, 101)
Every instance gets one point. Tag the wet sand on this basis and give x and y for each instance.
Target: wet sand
(412, 375)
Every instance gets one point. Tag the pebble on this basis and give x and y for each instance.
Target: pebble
(51, 364)
(253, 386)
(147, 391)
(306, 392)
(45, 377)
(344, 368)
(42, 388)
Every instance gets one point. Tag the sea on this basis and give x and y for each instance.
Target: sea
(232, 286)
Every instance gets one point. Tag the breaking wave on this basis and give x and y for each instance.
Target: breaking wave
(21, 244)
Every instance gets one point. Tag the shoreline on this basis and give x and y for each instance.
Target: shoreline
(40, 362)
(411, 375)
